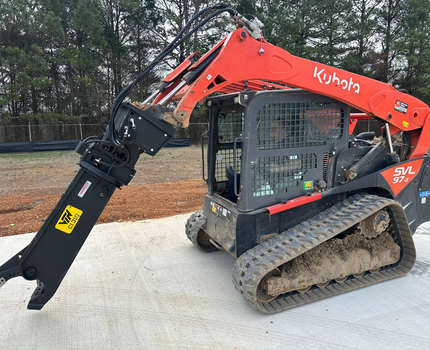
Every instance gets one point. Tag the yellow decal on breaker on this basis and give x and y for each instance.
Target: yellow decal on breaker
(68, 219)
(405, 124)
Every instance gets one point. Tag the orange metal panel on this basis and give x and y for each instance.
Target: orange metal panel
(240, 59)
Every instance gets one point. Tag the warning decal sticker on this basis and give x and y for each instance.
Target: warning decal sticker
(219, 210)
(308, 185)
(399, 176)
(401, 107)
(68, 219)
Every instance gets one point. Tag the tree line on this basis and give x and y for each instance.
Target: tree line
(65, 61)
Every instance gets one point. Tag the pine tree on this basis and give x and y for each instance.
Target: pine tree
(414, 50)
(390, 16)
(360, 34)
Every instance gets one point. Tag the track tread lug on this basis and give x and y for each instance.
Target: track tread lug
(193, 226)
(254, 264)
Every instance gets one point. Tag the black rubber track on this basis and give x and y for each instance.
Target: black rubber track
(195, 233)
(254, 264)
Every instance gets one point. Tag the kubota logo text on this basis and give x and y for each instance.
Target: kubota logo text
(68, 219)
(332, 78)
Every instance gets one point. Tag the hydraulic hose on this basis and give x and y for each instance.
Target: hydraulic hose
(179, 39)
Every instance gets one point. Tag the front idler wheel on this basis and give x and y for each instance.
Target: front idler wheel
(262, 294)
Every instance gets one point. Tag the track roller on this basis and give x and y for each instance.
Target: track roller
(253, 271)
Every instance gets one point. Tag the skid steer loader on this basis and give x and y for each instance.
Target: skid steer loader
(308, 210)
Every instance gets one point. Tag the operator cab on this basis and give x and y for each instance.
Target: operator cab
(271, 146)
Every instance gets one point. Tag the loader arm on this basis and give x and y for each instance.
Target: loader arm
(240, 58)
(107, 162)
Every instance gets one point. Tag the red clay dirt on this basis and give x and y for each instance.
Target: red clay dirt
(32, 187)
(26, 212)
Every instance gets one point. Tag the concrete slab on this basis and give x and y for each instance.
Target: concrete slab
(142, 285)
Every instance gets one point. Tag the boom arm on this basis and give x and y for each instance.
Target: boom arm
(241, 58)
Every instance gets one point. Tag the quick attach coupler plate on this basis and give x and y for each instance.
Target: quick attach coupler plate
(151, 134)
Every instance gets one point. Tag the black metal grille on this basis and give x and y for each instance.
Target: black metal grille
(224, 157)
(295, 125)
(273, 175)
(230, 126)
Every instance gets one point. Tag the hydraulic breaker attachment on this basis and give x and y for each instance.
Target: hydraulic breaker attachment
(52, 251)
(11, 269)
(105, 166)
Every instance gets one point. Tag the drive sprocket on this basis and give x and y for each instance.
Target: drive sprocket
(375, 224)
